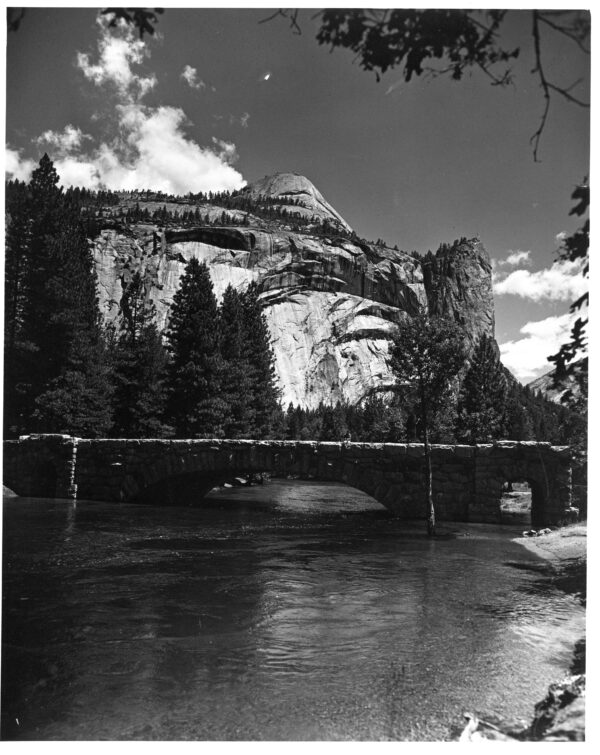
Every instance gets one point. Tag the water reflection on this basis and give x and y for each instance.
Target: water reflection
(284, 612)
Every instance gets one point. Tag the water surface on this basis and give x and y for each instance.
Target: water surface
(284, 612)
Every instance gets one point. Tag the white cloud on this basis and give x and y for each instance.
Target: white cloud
(190, 75)
(514, 258)
(560, 237)
(561, 282)
(117, 53)
(527, 357)
(62, 143)
(226, 151)
(517, 258)
(150, 148)
(18, 167)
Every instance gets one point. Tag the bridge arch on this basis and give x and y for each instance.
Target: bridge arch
(185, 478)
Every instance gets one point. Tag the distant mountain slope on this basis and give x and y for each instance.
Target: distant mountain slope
(331, 299)
(545, 386)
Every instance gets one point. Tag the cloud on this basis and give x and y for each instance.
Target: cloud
(190, 75)
(226, 151)
(560, 237)
(234, 120)
(516, 258)
(18, 167)
(513, 259)
(62, 143)
(527, 357)
(117, 53)
(149, 148)
(561, 282)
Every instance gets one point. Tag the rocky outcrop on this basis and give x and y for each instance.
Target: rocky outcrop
(331, 303)
(291, 186)
(560, 716)
(457, 281)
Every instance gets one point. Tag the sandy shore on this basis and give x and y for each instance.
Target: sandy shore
(560, 545)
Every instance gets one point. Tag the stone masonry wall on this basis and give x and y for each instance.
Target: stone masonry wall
(467, 480)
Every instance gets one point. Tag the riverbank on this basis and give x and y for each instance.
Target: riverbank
(560, 716)
(562, 545)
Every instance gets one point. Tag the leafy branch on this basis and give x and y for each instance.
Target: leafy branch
(457, 39)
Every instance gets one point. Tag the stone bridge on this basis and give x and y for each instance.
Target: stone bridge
(467, 480)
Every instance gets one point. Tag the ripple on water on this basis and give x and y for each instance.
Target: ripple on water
(304, 619)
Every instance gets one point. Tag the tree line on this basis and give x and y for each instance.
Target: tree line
(212, 373)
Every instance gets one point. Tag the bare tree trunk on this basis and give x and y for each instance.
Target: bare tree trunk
(428, 471)
(429, 487)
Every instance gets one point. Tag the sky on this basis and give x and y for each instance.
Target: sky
(220, 99)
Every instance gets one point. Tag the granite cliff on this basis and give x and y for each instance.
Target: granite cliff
(331, 299)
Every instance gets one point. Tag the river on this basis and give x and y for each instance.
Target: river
(289, 611)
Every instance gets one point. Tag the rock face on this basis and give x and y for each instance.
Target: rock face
(291, 186)
(331, 301)
(457, 281)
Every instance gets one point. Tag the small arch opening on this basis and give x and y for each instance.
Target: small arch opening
(522, 503)
(516, 502)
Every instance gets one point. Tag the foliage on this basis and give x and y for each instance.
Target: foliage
(140, 361)
(376, 419)
(78, 401)
(143, 19)
(195, 403)
(571, 360)
(264, 395)
(482, 396)
(53, 320)
(237, 383)
(410, 37)
(457, 40)
(427, 354)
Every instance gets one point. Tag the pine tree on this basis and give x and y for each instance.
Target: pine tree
(482, 396)
(60, 338)
(75, 371)
(517, 420)
(195, 405)
(334, 426)
(140, 368)
(263, 395)
(18, 229)
(236, 384)
(79, 400)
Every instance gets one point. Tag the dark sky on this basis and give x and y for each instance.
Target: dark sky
(415, 164)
